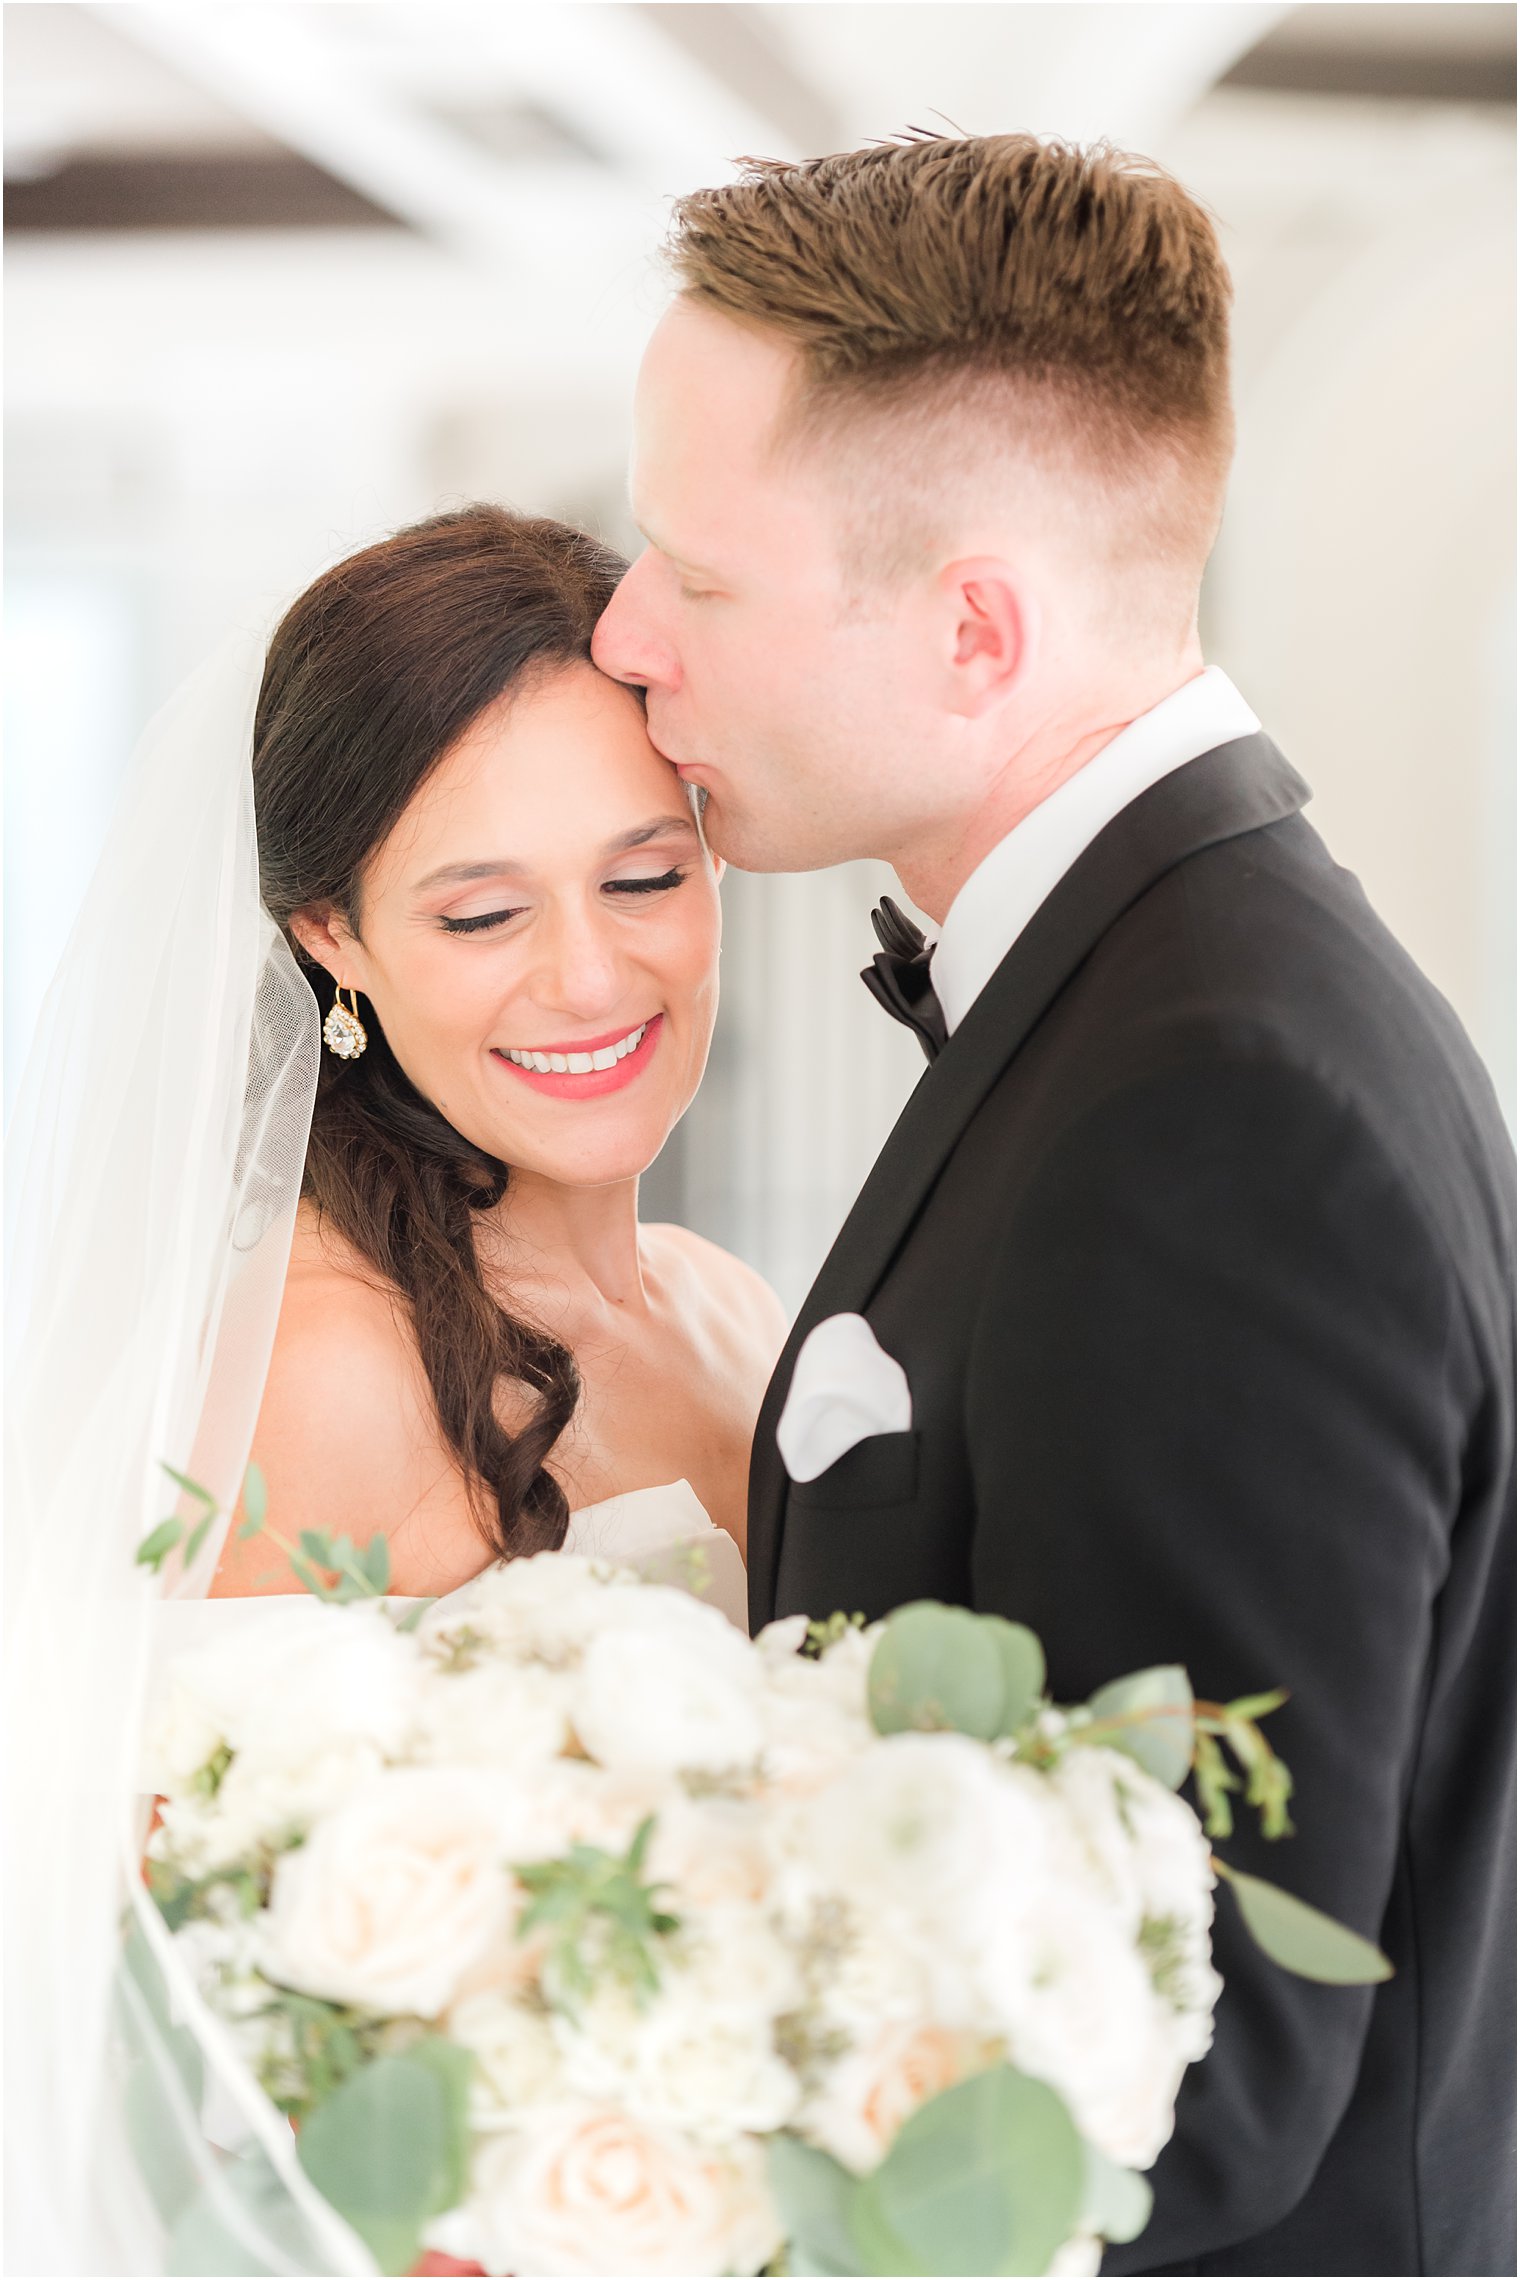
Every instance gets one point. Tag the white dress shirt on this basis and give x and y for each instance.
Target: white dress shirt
(1009, 884)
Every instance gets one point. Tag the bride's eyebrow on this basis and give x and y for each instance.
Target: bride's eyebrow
(663, 827)
(501, 867)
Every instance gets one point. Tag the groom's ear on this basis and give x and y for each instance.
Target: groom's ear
(988, 620)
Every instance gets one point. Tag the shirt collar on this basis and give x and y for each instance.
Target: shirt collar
(1008, 886)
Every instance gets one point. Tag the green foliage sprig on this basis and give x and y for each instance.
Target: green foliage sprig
(332, 1568)
(602, 1915)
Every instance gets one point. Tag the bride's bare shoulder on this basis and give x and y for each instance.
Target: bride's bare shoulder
(348, 1437)
(728, 1283)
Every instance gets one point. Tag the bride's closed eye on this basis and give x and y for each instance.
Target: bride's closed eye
(661, 885)
(488, 919)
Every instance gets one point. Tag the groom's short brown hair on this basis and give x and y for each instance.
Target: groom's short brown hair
(1083, 291)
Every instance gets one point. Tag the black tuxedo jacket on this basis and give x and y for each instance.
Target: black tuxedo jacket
(1195, 1245)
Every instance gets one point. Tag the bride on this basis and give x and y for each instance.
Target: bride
(466, 833)
(402, 1267)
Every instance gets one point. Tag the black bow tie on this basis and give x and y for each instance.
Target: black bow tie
(898, 977)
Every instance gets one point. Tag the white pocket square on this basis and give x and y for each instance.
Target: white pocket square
(844, 1389)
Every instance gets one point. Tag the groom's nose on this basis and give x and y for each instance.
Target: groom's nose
(629, 644)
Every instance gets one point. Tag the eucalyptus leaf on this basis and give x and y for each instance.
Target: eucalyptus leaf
(197, 1537)
(413, 1616)
(255, 1497)
(452, 2066)
(159, 1543)
(1023, 1660)
(1115, 2202)
(876, 2247)
(376, 1563)
(1149, 1716)
(383, 2149)
(1302, 1939)
(190, 1487)
(936, 1668)
(814, 2193)
(986, 2178)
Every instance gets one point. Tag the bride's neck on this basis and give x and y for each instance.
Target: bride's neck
(576, 1236)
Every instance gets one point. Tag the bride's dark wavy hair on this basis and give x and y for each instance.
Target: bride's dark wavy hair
(371, 677)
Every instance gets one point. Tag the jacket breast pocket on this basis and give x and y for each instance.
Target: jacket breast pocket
(882, 1469)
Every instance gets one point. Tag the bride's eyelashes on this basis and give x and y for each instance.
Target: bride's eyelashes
(661, 885)
(488, 919)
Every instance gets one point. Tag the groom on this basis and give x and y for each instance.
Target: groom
(1193, 1241)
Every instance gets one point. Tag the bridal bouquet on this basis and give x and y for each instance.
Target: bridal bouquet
(576, 1933)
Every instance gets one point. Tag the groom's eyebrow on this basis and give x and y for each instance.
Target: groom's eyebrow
(500, 867)
(672, 554)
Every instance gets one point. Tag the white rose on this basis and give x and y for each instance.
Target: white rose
(569, 1802)
(868, 2094)
(517, 2060)
(586, 2189)
(711, 1851)
(397, 1894)
(670, 1693)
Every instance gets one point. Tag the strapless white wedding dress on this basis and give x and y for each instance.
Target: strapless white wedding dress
(663, 1533)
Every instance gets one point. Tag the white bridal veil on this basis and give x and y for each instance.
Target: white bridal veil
(155, 1164)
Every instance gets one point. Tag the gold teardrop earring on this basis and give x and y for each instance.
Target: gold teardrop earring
(343, 1032)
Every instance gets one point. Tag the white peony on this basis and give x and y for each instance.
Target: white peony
(586, 2189)
(495, 1713)
(1074, 1997)
(698, 2054)
(306, 1677)
(265, 1801)
(1077, 2259)
(816, 1712)
(397, 1894)
(778, 1643)
(517, 2060)
(543, 1606)
(706, 2051)
(938, 1842)
(1152, 1857)
(676, 1689)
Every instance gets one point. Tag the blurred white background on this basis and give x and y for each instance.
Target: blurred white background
(282, 276)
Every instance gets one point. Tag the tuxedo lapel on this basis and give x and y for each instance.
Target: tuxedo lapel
(1236, 788)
